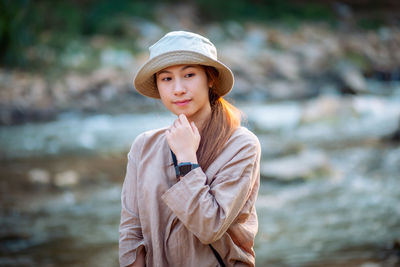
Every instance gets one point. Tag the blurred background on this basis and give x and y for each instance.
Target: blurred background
(318, 82)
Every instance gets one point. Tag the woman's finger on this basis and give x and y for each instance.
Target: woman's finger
(183, 119)
(176, 123)
(194, 128)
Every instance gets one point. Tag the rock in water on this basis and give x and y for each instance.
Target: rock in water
(307, 164)
(39, 176)
(352, 78)
(66, 179)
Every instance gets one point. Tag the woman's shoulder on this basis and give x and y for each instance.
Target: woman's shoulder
(244, 136)
(242, 139)
(151, 134)
(242, 144)
(154, 136)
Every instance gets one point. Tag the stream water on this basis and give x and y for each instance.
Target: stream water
(61, 181)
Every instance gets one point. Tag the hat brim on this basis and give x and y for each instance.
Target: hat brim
(144, 79)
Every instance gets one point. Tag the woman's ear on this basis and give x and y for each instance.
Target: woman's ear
(210, 76)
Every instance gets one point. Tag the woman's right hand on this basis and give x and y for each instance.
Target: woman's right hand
(183, 138)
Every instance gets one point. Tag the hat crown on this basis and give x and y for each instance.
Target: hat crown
(183, 41)
(177, 48)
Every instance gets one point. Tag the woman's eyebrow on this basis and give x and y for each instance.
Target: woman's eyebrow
(182, 69)
(163, 71)
(187, 66)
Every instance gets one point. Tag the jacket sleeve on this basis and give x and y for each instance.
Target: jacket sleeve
(208, 210)
(131, 238)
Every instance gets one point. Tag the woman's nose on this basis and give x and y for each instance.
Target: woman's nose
(179, 88)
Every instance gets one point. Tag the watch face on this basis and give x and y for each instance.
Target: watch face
(184, 169)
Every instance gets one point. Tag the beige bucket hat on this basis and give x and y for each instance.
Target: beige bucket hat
(180, 47)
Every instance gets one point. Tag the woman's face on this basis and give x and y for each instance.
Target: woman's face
(184, 90)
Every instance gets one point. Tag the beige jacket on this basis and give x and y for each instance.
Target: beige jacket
(176, 220)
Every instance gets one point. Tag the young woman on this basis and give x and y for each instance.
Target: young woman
(189, 194)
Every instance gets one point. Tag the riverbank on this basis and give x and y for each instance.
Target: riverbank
(328, 194)
(270, 63)
(350, 220)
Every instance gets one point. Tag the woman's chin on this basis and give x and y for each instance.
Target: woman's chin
(187, 114)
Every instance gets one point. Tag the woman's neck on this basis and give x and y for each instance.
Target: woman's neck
(201, 119)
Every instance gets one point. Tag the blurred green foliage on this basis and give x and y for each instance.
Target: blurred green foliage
(14, 29)
(264, 10)
(27, 23)
(34, 32)
(371, 23)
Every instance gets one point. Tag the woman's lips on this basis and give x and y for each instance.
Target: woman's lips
(182, 103)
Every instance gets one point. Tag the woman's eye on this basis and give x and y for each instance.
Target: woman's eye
(165, 79)
(189, 75)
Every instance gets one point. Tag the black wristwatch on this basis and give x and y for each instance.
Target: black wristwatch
(183, 168)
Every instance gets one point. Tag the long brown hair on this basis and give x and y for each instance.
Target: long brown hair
(224, 120)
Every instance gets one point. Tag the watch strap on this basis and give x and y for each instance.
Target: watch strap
(184, 168)
(176, 165)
